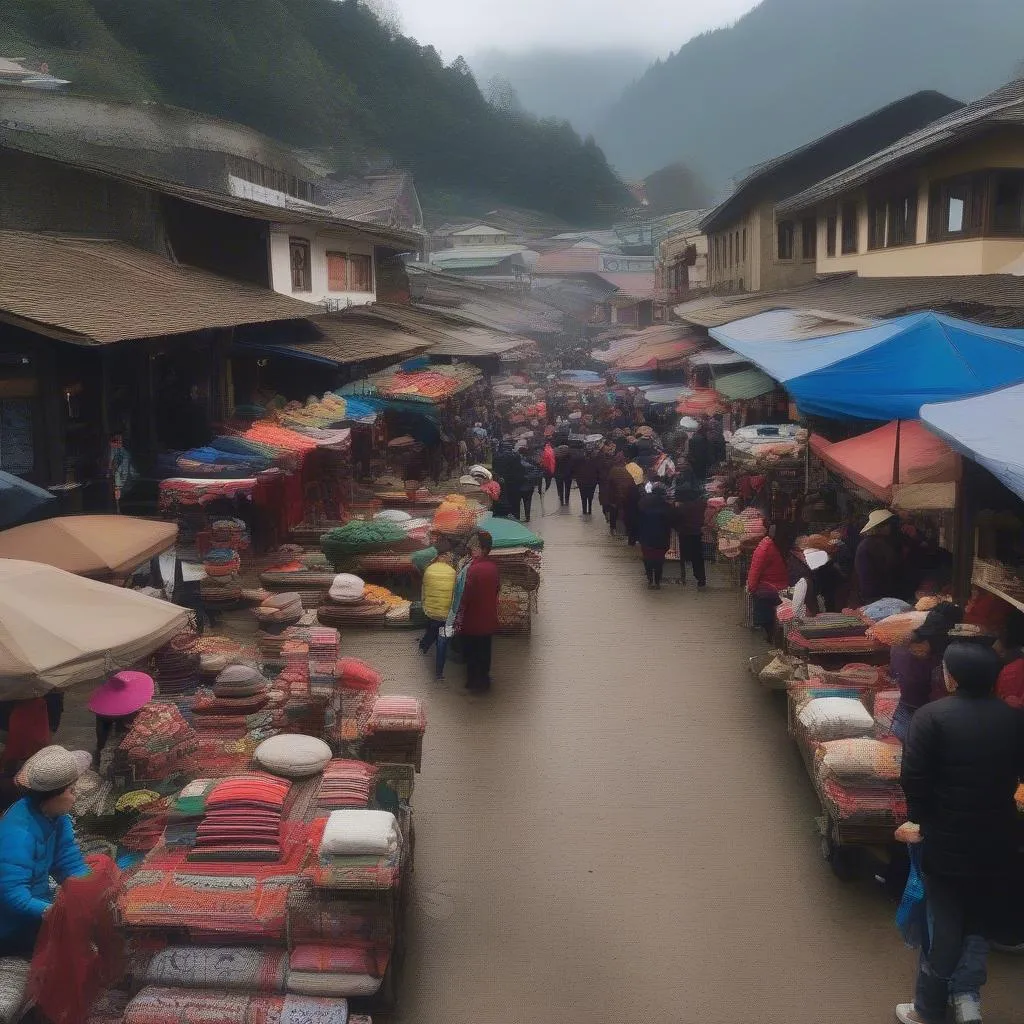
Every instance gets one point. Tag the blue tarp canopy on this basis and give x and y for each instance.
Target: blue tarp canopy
(882, 372)
(20, 500)
(987, 428)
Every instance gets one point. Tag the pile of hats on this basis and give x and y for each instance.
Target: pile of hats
(178, 665)
(240, 685)
(230, 533)
(359, 537)
(221, 584)
(279, 611)
(242, 820)
(348, 604)
(455, 516)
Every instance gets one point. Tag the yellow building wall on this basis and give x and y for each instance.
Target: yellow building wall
(967, 256)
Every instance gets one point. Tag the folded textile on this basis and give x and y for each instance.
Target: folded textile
(346, 783)
(219, 967)
(879, 806)
(329, 959)
(360, 833)
(883, 608)
(155, 1005)
(350, 986)
(835, 718)
(860, 762)
(397, 714)
(886, 702)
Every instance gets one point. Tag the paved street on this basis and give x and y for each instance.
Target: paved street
(623, 830)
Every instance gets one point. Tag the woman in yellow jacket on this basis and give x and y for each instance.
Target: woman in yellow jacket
(438, 589)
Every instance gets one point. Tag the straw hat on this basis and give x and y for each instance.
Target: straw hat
(879, 516)
(122, 694)
(53, 769)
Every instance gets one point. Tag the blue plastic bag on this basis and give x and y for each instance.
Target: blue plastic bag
(912, 913)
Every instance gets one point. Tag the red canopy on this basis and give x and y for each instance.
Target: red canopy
(928, 468)
(703, 402)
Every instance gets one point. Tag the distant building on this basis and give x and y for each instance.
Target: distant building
(946, 200)
(390, 200)
(751, 247)
(681, 255)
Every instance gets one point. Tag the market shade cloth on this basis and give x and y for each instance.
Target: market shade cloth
(57, 629)
(702, 402)
(989, 429)
(881, 372)
(99, 546)
(744, 385)
(19, 499)
(667, 395)
(928, 467)
(651, 356)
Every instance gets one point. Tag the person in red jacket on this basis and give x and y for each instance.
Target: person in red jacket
(769, 574)
(547, 465)
(477, 620)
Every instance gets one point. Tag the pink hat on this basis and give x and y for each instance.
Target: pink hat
(122, 694)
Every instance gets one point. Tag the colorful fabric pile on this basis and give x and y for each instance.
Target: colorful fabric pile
(347, 784)
(155, 1005)
(159, 745)
(242, 820)
(335, 971)
(359, 537)
(435, 385)
(867, 806)
(896, 629)
(177, 493)
(885, 706)
(230, 533)
(219, 967)
(358, 849)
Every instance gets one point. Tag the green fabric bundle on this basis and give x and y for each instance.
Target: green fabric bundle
(358, 537)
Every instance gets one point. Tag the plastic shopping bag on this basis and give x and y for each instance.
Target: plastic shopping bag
(912, 913)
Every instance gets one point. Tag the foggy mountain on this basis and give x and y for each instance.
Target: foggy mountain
(573, 86)
(793, 70)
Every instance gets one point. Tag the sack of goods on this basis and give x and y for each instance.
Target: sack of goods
(280, 608)
(783, 668)
(347, 589)
(861, 762)
(896, 629)
(835, 718)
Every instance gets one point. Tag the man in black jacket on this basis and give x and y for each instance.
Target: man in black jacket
(962, 763)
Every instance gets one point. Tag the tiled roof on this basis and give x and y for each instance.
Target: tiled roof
(95, 292)
(794, 171)
(637, 286)
(1004, 106)
(995, 299)
(374, 199)
(569, 261)
(331, 338)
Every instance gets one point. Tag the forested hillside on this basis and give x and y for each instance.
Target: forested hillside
(325, 75)
(792, 70)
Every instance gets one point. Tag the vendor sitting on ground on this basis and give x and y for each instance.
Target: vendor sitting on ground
(37, 842)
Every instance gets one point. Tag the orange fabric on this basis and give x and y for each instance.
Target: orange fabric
(79, 951)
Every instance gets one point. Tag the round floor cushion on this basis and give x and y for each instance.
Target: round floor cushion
(293, 757)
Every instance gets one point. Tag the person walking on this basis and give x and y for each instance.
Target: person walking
(605, 460)
(532, 477)
(689, 523)
(587, 473)
(547, 465)
(654, 532)
(620, 485)
(563, 474)
(476, 615)
(962, 763)
(437, 595)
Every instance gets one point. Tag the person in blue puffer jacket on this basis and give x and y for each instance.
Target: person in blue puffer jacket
(37, 843)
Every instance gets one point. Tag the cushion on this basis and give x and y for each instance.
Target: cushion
(393, 515)
(241, 674)
(293, 757)
(282, 600)
(836, 718)
(221, 967)
(355, 674)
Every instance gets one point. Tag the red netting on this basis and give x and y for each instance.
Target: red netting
(79, 952)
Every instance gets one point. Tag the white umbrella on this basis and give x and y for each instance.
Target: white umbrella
(57, 629)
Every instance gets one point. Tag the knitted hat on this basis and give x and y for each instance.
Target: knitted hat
(53, 769)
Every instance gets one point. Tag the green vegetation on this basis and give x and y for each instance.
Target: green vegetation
(325, 75)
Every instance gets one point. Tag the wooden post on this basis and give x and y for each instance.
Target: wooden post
(963, 542)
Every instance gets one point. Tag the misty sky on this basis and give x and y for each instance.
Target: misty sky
(655, 26)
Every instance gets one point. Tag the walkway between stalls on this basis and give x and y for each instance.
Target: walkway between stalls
(623, 831)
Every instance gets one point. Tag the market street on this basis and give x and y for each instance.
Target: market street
(624, 831)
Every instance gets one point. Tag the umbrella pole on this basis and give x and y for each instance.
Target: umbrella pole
(896, 458)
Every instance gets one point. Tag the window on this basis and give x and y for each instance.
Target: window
(730, 249)
(956, 208)
(892, 220)
(737, 248)
(849, 241)
(809, 238)
(349, 272)
(302, 266)
(831, 223)
(744, 245)
(785, 232)
(1008, 203)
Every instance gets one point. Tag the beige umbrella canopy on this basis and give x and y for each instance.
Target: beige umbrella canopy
(57, 629)
(96, 546)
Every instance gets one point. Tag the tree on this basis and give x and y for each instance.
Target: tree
(676, 187)
(502, 95)
(387, 13)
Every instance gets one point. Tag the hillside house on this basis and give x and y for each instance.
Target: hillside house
(753, 248)
(947, 200)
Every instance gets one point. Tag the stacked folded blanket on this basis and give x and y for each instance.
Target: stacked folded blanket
(347, 784)
(242, 820)
(359, 849)
(336, 971)
(219, 967)
(156, 1005)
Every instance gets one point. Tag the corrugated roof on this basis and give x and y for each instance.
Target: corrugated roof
(994, 299)
(716, 357)
(744, 385)
(93, 291)
(635, 286)
(569, 261)
(1004, 106)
